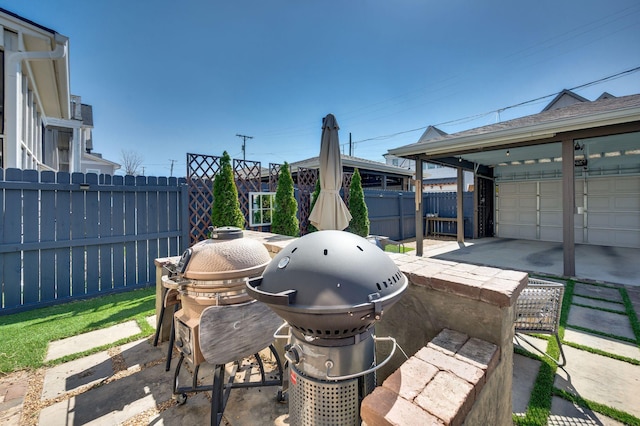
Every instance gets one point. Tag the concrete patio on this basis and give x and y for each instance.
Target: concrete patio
(129, 385)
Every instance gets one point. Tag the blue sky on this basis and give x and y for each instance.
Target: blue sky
(166, 78)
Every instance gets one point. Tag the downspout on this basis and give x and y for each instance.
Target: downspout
(13, 116)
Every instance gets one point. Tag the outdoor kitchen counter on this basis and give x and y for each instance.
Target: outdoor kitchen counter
(477, 301)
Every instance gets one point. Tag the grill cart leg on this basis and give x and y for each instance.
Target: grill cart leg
(181, 397)
(161, 317)
(172, 338)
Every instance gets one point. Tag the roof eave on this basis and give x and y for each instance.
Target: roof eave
(520, 134)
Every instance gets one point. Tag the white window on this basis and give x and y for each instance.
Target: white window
(261, 205)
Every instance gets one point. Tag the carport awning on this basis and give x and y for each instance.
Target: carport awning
(544, 127)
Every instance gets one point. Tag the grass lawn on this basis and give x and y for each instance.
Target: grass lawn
(25, 335)
(392, 248)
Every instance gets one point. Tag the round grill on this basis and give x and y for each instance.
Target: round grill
(226, 255)
(330, 284)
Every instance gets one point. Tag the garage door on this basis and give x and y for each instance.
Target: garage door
(608, 210)
(611, 211)
(529, 210)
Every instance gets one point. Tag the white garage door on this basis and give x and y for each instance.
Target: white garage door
(608, 210)
(611, 213)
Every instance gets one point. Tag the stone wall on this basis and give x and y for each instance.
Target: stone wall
(475, 300)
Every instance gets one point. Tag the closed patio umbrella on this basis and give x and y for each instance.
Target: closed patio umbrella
(330, 212)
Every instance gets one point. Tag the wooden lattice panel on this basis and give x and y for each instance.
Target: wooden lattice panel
(201, 171)
(247, 176)
(346, 187)
(306, 184)
(274, 173)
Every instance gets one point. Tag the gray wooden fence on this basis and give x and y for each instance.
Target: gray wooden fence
(70, 236)
(392, 213)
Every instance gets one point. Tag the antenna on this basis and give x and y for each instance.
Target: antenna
(244, 145)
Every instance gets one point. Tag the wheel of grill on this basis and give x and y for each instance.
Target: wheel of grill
(181, 399)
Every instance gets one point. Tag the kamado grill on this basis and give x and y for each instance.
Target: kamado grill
(331, 287)
(218, 321)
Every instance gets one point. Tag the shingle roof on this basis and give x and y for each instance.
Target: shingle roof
(360, 163)
(545, 119)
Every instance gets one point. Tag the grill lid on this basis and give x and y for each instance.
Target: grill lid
(226, 255)
(330, 283)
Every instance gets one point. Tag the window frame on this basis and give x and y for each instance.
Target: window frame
(270, 197)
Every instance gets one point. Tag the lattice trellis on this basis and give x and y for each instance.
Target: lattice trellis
(306, 184)
(247, 175)
(201, 171)
(274, 173)
(346, 187)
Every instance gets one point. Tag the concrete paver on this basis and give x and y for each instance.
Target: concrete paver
(593, 303)
(603, 343)
(525, 372)
(605, 322)
(194, 412)
(609, 293)
(601, 379)
(71, 375)
(566, 413)
(140, 352)
(114, 402)
(84, 342)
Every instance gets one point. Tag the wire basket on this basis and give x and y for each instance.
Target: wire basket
(538, 309)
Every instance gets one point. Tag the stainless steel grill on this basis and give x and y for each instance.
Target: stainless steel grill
(331, 287)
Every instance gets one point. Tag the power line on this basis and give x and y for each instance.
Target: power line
(498, 111)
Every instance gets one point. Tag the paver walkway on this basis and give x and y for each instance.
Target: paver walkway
(593, 377)
(128, 384)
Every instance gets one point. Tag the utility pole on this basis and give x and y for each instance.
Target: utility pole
(171, 174)
(350, 146)
(244, 145)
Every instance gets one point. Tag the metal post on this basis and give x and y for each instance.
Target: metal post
(418, 212)
(460, 206)
(568, 205)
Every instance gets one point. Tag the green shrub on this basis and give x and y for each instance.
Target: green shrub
(285, 220)
(359, 224)
(226, 206)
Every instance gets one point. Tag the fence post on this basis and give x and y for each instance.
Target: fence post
(401, 212)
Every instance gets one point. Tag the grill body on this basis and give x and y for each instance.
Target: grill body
(331, 287)
(315, 396)
(213, 274)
